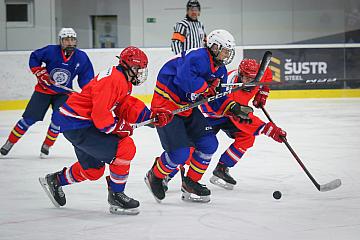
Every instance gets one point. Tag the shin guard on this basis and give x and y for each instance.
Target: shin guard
(20, 129)
(120, 166)
(205, 147)
(52, 134)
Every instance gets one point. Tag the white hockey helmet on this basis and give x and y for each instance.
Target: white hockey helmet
(68, 47)
(223, 39)
(67, 32)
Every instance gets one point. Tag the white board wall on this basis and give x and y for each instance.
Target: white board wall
(17, 82)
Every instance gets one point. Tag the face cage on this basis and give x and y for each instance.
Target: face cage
(246, 89)
(72, 47)
(228, 60)
(140, 78)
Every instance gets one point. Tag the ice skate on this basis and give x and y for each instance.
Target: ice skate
(122, 204)
(194, 191)
(167, 179)
(165, 183)
(155, 185)
(222, 178)
(52, 188)
(44, 152)
(5, 149)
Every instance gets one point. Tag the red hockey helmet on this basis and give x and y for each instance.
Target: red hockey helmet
(248, 68)
(135, 61)
(133, 56)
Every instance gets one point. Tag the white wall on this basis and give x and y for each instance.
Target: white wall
(17, 82)
(321, 20)
(137, 22)
(259, 26)
(77, 14)
(2, 25)
(38, 35)
(252, 22)
(225, 14)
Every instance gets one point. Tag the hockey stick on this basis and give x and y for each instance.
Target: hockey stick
(273, 83)
(264, 64)
(62, 87)
(322, 188)
(65, 88)
(252, 84)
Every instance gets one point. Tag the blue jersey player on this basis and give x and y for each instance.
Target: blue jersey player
(55, 67)
(190, 76)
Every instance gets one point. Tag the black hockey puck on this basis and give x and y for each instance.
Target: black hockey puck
(277, 195)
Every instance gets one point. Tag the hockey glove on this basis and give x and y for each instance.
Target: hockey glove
(213, 88)
(42, 76)
(123, 129)
(273, 131)
(162, 116)
(239, 111)
(261, 96)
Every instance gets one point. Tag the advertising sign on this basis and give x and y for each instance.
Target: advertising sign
(308, 65)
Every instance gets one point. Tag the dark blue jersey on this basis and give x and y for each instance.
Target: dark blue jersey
(62, 70)
(182, 79)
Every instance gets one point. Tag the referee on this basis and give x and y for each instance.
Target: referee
(189, 32)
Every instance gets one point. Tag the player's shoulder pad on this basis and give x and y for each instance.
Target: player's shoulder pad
(81, 52)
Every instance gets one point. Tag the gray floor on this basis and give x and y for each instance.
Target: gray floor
(324, 133)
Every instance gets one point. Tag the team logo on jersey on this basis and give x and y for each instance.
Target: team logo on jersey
(60, 76)
(77, 65)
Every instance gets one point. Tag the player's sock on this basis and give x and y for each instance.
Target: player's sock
(51, 136)
(20, 129)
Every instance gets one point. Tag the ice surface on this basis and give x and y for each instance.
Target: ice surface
(323, 132)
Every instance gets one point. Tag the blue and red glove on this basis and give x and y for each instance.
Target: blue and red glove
(273, 131)
(123, 129)
(261, 96)
(213, 88)
(42, 76)
(162, 116)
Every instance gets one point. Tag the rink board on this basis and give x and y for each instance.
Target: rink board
(280, 94)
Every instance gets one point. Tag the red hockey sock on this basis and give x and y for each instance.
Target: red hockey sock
(79, 174)
(196, 170)
(17, 132)
(160, 169)
(52, 134)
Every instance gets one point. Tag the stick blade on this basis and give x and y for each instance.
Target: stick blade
(330, 186)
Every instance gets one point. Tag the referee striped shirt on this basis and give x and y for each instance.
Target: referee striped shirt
(187, 34)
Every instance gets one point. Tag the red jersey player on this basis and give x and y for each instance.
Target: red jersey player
(243, 134)
(96, 122)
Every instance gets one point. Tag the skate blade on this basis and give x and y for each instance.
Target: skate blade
(190, 197)
(45, 186)
(122, 211)
(148, 185)
(43, 156)
(3, 154)
(221, 183)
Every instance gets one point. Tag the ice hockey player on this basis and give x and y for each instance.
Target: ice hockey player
(97, 123)
(55, 66)
(243, 134)
(183, 80)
